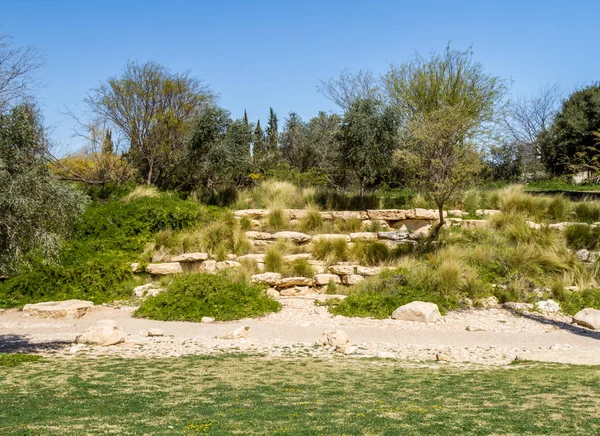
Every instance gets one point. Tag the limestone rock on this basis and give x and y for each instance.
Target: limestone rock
(559, 226)
(363, 236)
(105, 332)
(512, 305)
(589, 318)
(190, 257)
(258, 258)
(338, 339)
(239, 333)
(387, 214)
(296, 214)
(273, 293)
(368, 271)
(136, 267)
(331, 237)
(583, 254)
(207, 320)
(418, 311)
(147, 290)
(226, 264)
(288, 282)
(351, 349)
(324, 279)
(385, 355)
(270, 278)
(548, 306)
(208, 266)
(533, 225)
(488, 302)
(153, 292)
(457, 213)
(350, 214)
(58, 309)
(263, 236)
(420, 233)
(393, 236)
(424, 214)
(252, 213)
(294, 291)
(166, 268)
(296, 237)
(343, 270)
(352, 279)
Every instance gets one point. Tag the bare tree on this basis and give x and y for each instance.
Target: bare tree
(527, 117)
(17, 65)
(348, 87)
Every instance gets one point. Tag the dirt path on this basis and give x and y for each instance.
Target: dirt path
(493, 336)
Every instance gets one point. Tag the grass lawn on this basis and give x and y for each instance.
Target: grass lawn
(254, 395)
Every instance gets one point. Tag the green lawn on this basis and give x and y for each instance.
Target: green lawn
(254, 395)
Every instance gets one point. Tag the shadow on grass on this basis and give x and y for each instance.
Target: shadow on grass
(23, 344)
(571, 328)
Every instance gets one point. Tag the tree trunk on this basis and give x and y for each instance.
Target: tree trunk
(362, 187)
(149, 178)
(436, 229)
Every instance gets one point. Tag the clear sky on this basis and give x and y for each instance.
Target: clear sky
(257, 54)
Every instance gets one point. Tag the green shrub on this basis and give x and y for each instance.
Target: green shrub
(301, 268)
(191, 297)
(334, 200)
(370, 252)
(331, 250)
(223, 197)
(246, 223)
(582, 236)
(378, 297)
(277, 220)
(572, 302)
(273, 260)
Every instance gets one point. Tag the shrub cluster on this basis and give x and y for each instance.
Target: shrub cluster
(191, 297)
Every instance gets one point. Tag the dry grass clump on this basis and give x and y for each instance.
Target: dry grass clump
(331, 251)
(273, 260)
(142, 191)
(312, 222)
(277, 220)
(349, 225)
(273, 194)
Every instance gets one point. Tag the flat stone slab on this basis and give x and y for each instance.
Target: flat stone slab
(58, 309)
(190, 257)
(161, 269)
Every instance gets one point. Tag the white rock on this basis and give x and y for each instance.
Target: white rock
(104, 333)
(190, 257)
(548, 306)
(152, 332)
(262, 236)
(351, 349)
(588, 317)
(363, 236)
(533, 225)
(343, 269)
(207, 320)
(583, 254)
(296, 237)
(486, 212)
(418, 311)
(393, 236)
(288, 282)
(273, 293)
(164, 268)
(387, 214)
(331, 237)
(338, 339)
(154, 292)
(559, 226)
(208, 266)
(294, 257)
(385, 355)
(473, 224)
(368, 271)
(352, 279)
(136, 267)
(58, 309)
(512, 305)
(226, 264)
(324, 279)
(270, 278)
(294, 291)
(420, 233)
(489, 302)
(425, 214)
(239, 333)
(258, 258)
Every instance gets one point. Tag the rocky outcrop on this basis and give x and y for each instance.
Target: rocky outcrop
(103, 333)
(58, 309)
(418, 311)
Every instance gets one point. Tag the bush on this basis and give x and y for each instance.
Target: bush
(587, 212)
(370, 252)
(378, 297)
(350, 225)
(334, 200)
(301, 268)
(312, 222)
(277, 220)
(572, 302)
(582, 236)
(223, 197)
(191, 297)
(331, 250)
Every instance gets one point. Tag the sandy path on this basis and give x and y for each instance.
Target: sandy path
(497, 336)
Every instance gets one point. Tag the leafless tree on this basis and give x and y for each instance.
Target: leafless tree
(17, 68)
(348, 87)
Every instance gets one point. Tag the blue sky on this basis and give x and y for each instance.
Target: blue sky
(257, 54)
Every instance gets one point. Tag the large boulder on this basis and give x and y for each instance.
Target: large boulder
(589, 318)
(352, 279)
(296, 237)
(58, 309)
(190, 257)
(418, 311)
(161, 269)
(270, 278)
(324, 279)
(104, 333)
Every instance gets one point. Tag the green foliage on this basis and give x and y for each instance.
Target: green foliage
(350, 225)
(37, 211)
(378, 297)
(572, 302)
(301, 268)
(12, 360)
(582, 236)
(277, 220)
(336, 200)
(370, 253)
(273, 260)
(331, 250)
(191, 297)
(313, 221)
(587, 212)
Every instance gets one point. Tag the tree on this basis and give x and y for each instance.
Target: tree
(526, 121)
(347, 87)
(38, 211)
(17, 68)
(444, 103)
(296, 148)
(367, 138)
(259, 148)
(571, 142)
(272, 133)
(152, 109)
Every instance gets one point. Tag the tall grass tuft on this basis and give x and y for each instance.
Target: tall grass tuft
(273, 260)
(331, 250)
(142, 191)
(312, 222)
(277, 220)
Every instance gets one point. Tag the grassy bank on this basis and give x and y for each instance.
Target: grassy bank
(251, 395)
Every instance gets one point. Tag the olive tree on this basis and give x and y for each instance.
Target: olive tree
(444, 103)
